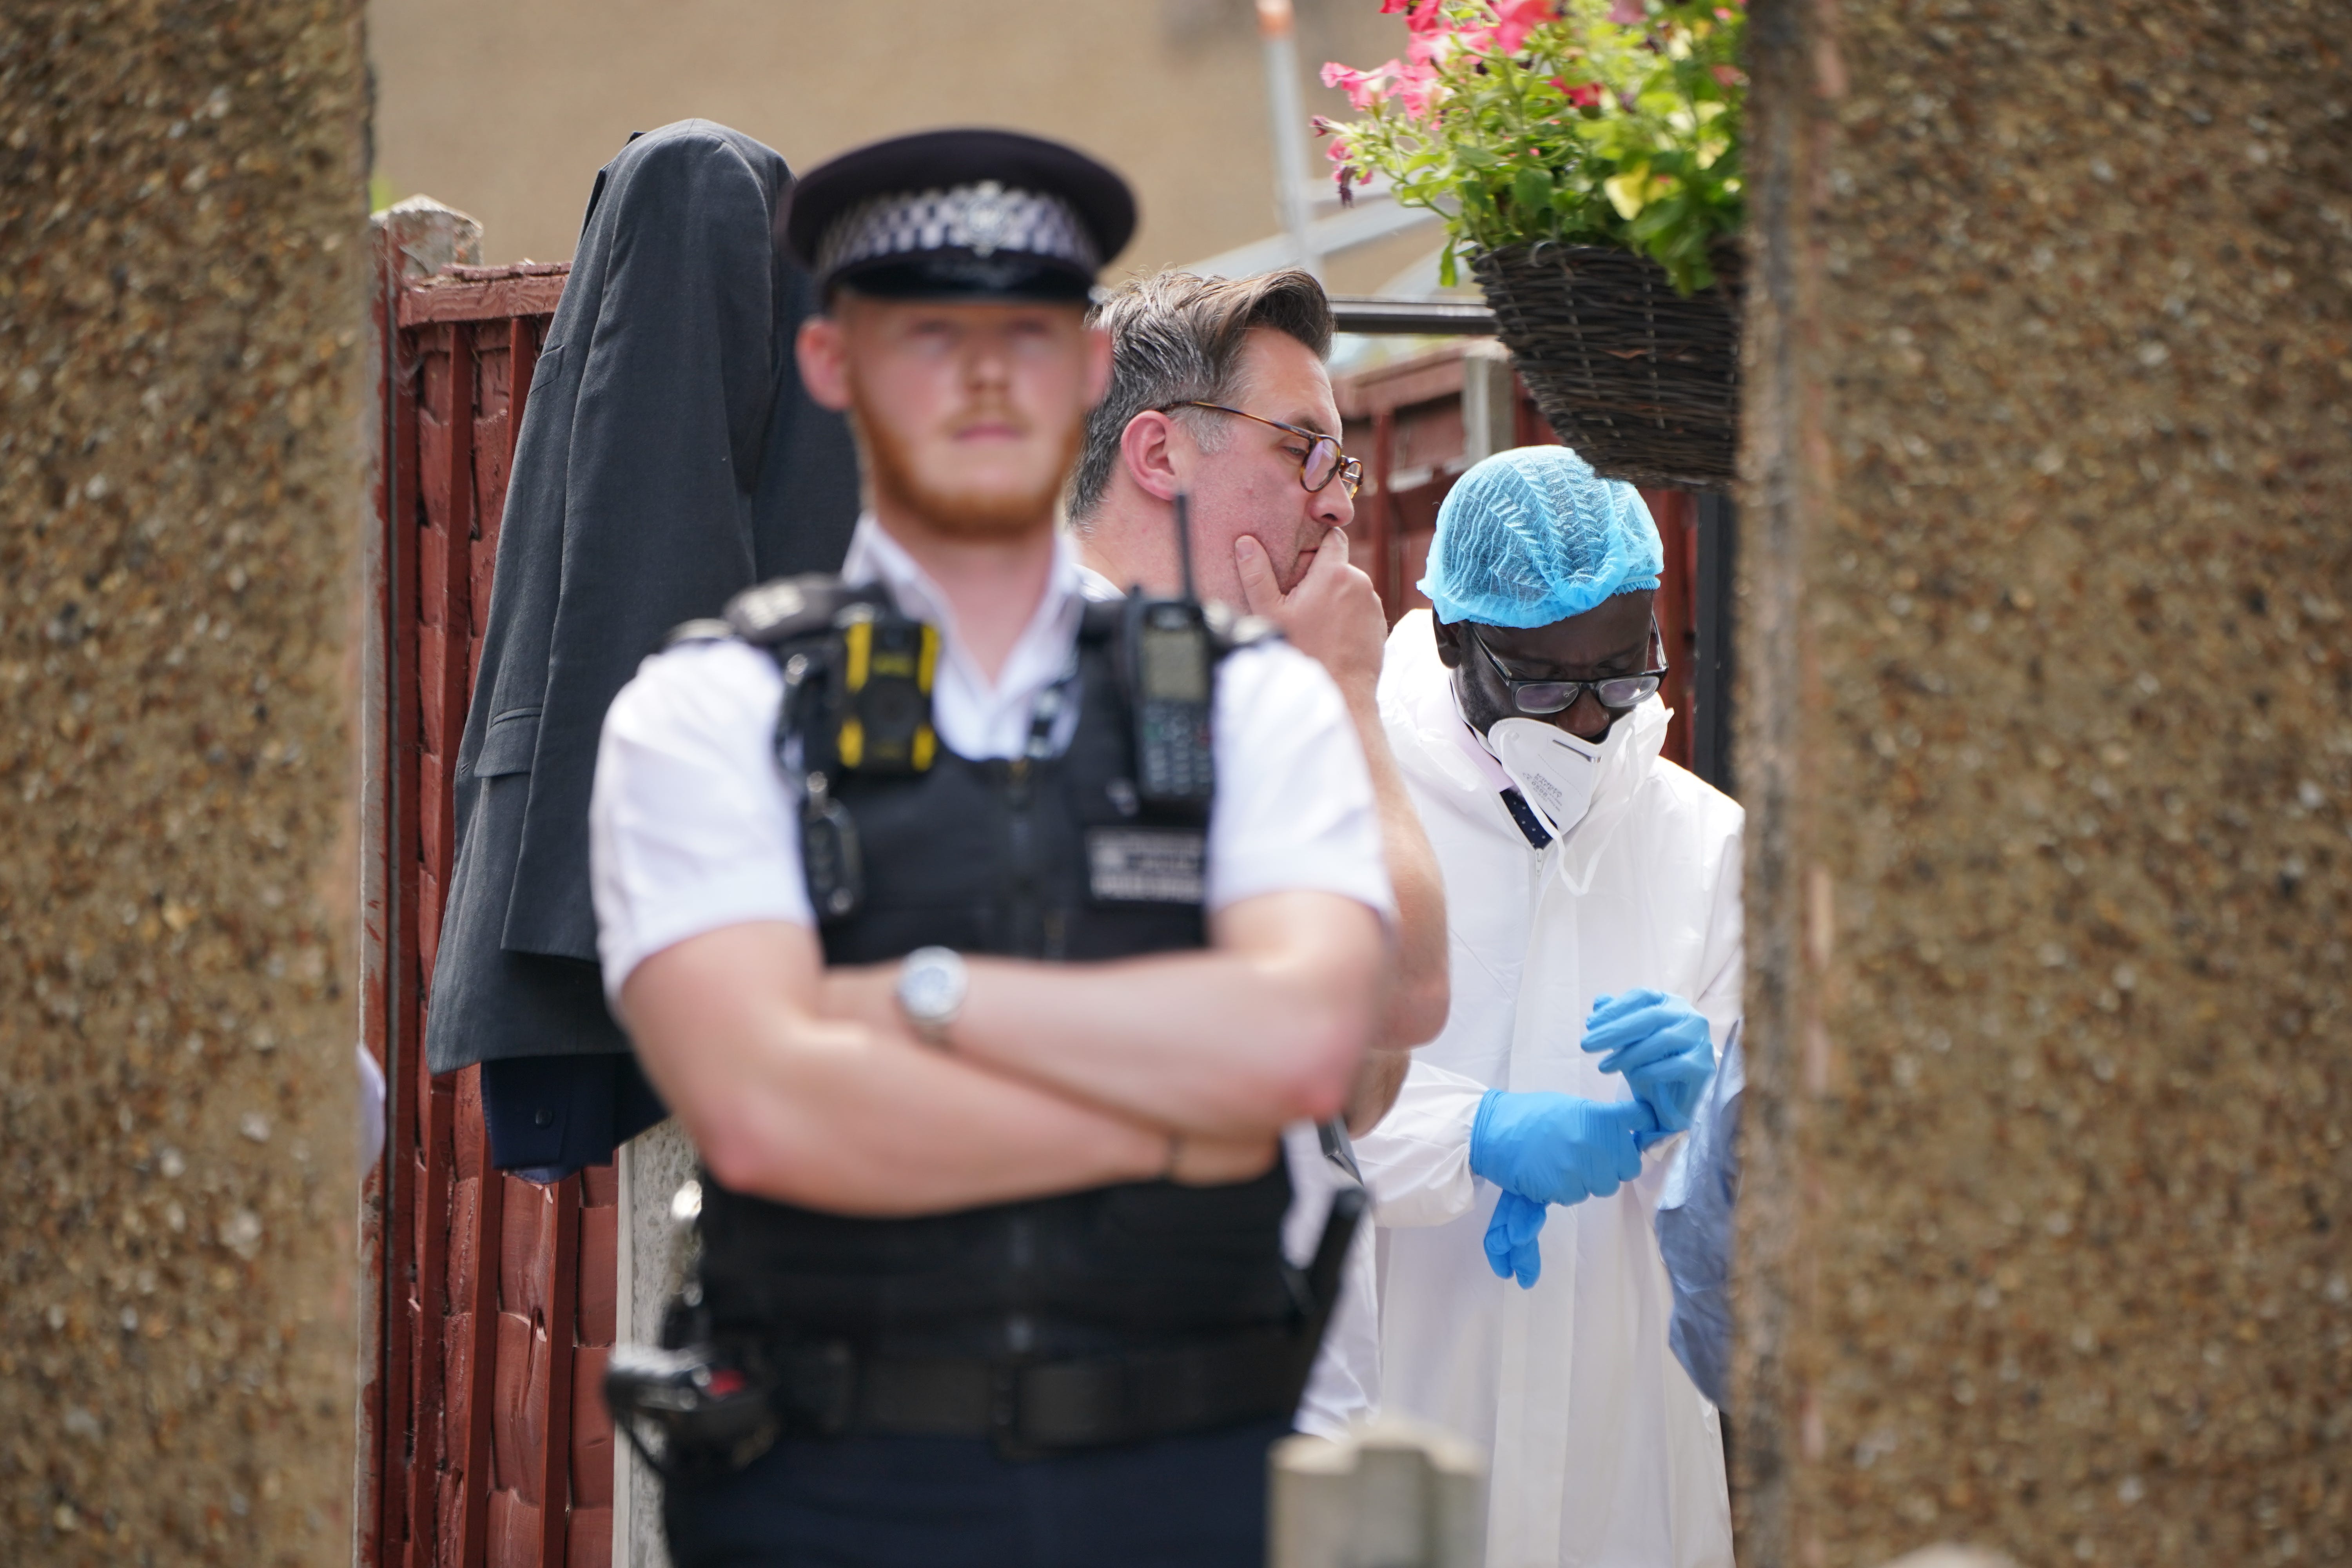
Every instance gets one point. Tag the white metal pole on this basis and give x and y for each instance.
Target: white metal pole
(1289, 119)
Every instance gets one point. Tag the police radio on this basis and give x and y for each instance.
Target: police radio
(1170, 654)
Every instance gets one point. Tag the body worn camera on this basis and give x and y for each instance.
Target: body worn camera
(882, 718)
(857, 698)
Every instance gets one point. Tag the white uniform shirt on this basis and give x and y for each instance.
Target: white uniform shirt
(1344, 1385)
(693, 827)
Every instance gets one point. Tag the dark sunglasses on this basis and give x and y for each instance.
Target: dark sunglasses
(1616, 692)
(1323, 462)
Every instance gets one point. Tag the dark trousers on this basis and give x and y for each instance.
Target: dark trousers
(1196, 1502)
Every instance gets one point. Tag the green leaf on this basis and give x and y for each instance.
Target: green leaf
(1653, 167)
(1532, 192)
(1629, 193)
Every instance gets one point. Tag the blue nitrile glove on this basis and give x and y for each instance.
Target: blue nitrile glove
(1661, 1043)
(1555, 1148)
(1511, 1247)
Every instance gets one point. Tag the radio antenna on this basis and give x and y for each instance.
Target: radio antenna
(1184, 540)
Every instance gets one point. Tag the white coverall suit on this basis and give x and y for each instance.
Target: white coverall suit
(1603, 1453)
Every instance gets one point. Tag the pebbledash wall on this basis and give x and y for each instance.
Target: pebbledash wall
(2048, 755)
(182, 315)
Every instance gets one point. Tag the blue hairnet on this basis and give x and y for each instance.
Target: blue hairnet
(1532, 536)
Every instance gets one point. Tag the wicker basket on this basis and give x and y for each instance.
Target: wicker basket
(1641, 381)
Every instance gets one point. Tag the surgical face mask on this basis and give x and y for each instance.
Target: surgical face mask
(1554, 771)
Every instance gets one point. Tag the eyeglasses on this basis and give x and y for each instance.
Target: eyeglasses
(1615, 692)
(1323, 462)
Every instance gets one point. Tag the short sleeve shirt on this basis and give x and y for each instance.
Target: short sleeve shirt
(693, 826)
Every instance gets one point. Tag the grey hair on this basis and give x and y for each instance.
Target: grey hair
(1177, 338)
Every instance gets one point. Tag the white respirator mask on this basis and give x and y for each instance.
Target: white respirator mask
(1554, 771)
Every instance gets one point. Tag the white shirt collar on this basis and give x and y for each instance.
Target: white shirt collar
(1038, 657)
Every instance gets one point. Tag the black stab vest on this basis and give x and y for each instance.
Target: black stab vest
(992, 857)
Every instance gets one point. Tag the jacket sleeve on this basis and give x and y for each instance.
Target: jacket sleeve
(666, 441)
(1417, 1161)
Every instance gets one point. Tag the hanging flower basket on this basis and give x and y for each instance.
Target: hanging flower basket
(1641, 381)
(1586, 157)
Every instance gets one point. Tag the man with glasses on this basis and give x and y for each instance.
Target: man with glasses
(1594, 902)
(1218, 392)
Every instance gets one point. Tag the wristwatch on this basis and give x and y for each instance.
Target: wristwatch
(932, 984)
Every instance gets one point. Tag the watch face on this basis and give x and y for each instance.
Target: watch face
(931, 989)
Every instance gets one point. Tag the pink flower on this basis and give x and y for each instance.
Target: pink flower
(1515, 20)
(1417, 85)
(1584, 94)
(1364, 89)
(1729, 76)
(1629, 12)
(1339, 152)
(1391, 7)
(1425, 18)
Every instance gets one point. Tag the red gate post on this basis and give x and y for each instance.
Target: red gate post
(485, 1455)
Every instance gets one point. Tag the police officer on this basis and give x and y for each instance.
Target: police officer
(985, 941)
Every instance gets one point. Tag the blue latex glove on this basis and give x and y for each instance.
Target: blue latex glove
(1555, 1148)
(1661, 1043)
(1511, 1249)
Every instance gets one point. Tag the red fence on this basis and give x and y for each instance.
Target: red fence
(494, 1297)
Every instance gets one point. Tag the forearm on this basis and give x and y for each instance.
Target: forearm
(848, 1118)
(1419, 994)
(1379, 1078)
(1236, 1041)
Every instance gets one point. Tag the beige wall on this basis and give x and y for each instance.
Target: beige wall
(507, 108)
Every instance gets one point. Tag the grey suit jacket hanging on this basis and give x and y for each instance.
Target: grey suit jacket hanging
(668, 458)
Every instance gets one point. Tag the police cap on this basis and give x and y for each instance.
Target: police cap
(967, 214)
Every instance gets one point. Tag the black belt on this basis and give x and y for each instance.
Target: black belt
(1038, 1406)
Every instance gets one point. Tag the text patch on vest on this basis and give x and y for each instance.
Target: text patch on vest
(1145, 865)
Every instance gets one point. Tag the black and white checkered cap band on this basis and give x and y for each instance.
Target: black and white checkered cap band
(983, 218)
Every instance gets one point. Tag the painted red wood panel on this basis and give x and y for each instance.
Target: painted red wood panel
(559, 1330)
(591, 1459)
(599, 1274)
(485, 294)
(485, 1307)
(1676, 515)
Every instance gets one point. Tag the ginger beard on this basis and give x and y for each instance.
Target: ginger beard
(977, 513)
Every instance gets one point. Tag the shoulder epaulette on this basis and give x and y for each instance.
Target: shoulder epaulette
(784, 608)
(1230, 631)
(703, 630)
(1101, 619)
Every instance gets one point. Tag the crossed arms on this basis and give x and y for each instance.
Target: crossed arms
(801, 1083)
